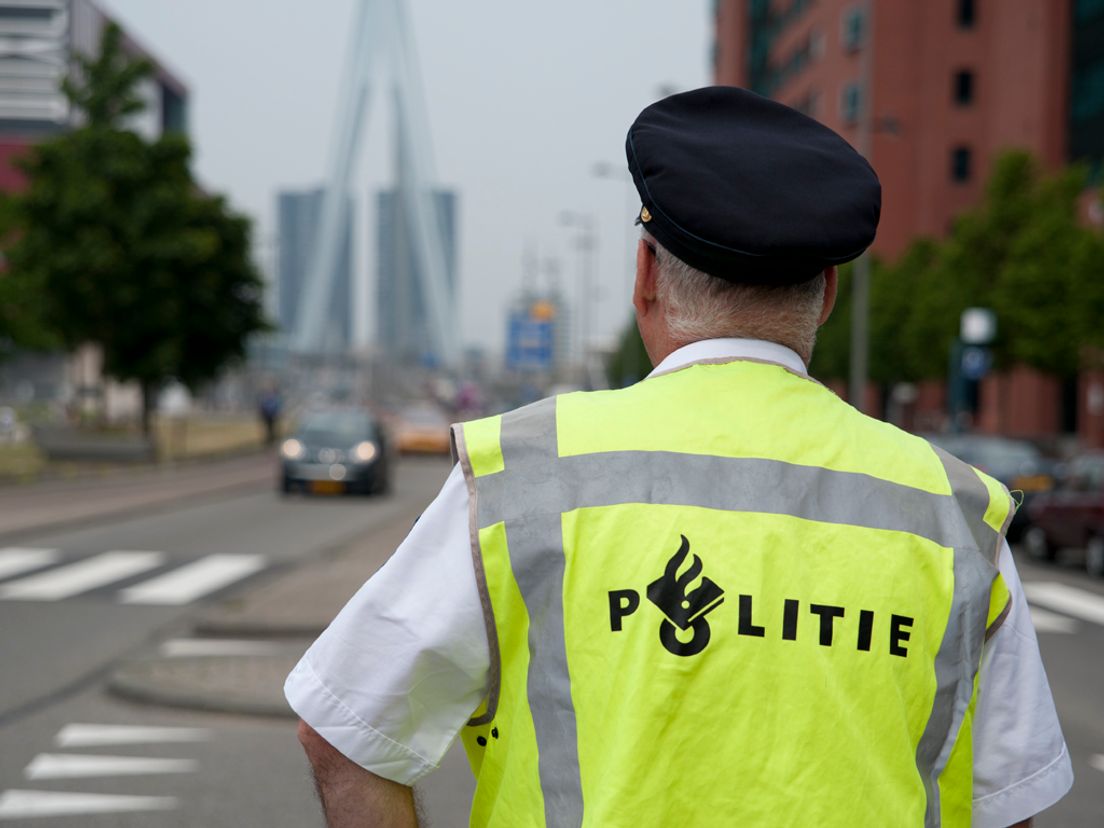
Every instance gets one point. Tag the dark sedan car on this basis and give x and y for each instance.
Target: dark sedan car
(336, 451)
(1017, 464)
(1072, 516)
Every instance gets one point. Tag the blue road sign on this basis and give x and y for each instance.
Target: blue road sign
(976, 362)
(530, 343)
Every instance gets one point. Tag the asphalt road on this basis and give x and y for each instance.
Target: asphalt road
(63, 636)
(60, 640)
(1068, 608)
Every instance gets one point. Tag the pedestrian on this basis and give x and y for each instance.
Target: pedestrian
(268, 409)
(721, 596)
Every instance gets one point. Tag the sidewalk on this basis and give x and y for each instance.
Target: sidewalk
(62, 503)
(241, 650)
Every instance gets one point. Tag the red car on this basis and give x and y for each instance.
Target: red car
(1071, 516)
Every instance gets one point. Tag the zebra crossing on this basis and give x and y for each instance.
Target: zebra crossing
(131, 577)
(68, 766)
(1060, 608)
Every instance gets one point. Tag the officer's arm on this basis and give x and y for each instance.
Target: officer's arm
(352, 796)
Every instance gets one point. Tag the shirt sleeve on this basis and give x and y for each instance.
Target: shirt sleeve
(403, 666)
(1021, 765)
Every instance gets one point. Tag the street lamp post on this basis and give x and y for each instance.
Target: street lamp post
(588, 248)
(611, 172)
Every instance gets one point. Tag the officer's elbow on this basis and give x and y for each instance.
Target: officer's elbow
(320, 752)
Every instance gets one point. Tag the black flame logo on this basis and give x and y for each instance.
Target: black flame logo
(685, 609)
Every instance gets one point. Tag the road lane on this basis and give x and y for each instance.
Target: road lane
(1073, 655)
(226, 771)
(93, 602)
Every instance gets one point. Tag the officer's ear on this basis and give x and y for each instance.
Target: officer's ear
(831, 288)
(644, 288)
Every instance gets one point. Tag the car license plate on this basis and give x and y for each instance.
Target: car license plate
(1033, 483)
(327, 487)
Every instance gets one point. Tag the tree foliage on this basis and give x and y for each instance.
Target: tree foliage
(115, 244)
(1023, 253)
(630, 362)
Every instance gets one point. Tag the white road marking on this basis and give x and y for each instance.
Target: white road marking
(1097, 761)
(1079, 603)
(25, 804)
(97, 735)
(1051, 622)
(72, 765)
(193, 580)
(17, 560)
(81, 576)
(184, 647)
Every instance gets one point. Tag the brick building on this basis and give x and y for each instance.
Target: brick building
(39, 41)
(931, 93)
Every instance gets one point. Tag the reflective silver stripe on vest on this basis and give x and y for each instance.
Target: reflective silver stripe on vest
(536, 487)
(537, 559)
(959, 654)
(750, 485)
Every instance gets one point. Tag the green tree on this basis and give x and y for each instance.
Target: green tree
(1046, 278)
(1021, 252)
(629, 363)
(124, 249)
(833, 345)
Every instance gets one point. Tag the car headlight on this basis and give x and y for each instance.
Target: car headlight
(365, 452)
(292, 449)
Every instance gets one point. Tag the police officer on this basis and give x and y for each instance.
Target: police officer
(721, 596)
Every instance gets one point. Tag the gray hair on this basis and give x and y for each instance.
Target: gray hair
(700, 306)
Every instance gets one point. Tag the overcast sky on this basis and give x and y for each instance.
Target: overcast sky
(524, 100)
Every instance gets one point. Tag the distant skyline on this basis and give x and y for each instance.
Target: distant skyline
(524, 102)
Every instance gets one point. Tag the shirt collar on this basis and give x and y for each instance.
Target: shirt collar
(734, 349)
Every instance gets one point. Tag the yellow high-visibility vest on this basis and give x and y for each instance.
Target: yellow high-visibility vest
(724, 597)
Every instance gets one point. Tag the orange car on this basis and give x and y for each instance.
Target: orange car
(422, 429)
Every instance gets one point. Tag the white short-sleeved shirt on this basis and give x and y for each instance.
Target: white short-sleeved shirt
(401, 669)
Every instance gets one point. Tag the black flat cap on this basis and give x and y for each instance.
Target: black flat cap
(749, 190)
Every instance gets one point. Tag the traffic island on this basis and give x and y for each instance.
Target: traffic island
(247, 684)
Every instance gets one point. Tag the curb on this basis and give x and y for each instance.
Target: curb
(243, 685)
(111, 470)
(85, 521)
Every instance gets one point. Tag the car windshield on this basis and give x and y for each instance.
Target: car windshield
(422, 416)
(1003, 453)
(1086, 474)
(336, 427)
(1001, 457)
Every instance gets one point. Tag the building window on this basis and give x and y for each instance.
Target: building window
(961, 164)
(816, 43)
(967, 14)
(964, 87)
(851, 103)
(808, 104)
(853, 29)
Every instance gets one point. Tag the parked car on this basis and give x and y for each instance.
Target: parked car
(1017, 464)
(334, 451)
(1072, 516)
(422, 429)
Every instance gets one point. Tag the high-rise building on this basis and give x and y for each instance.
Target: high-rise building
(298, 215)
(930, 92)
(402, 310)
(38, 42)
